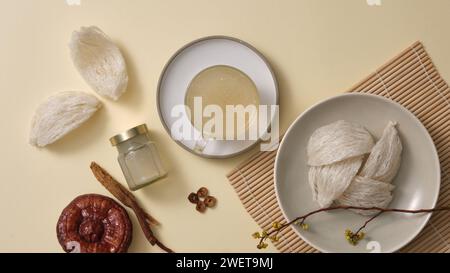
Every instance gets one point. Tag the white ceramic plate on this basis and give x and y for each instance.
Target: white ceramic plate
(195, 57)
(417, 183)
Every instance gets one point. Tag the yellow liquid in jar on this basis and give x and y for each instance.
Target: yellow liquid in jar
(222, 85)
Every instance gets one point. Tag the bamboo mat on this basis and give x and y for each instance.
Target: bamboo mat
(410, 79)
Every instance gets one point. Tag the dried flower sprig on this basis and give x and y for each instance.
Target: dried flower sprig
(351, 237)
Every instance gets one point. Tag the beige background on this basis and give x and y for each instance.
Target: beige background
(318, 48)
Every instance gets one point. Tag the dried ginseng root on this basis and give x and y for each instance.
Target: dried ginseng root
(128, 199)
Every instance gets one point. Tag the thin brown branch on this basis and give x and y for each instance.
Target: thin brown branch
(368, 221)
(358, 234)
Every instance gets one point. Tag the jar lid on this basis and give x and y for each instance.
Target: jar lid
(135, 131)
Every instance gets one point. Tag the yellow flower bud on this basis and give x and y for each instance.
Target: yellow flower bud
(274, 238)
(262, 245)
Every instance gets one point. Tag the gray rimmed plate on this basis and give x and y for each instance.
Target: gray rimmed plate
(195, 57)
(417, 183)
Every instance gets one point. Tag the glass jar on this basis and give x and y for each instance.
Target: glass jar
(138, 157)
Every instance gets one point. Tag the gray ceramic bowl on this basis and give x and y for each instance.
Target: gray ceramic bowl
(417, 183)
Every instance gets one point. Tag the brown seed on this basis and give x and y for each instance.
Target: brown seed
(193, 198)
(202, 192)
(201, 207)
(210, 201)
